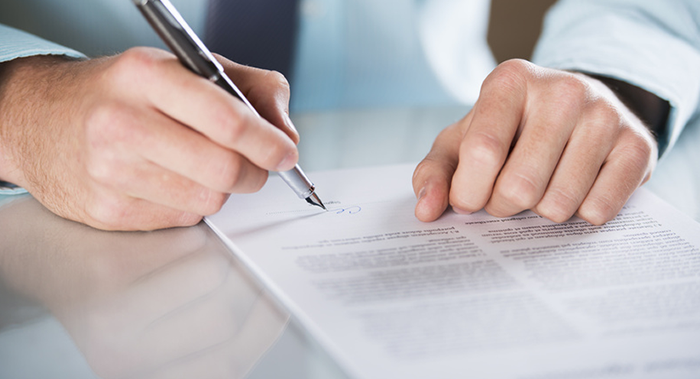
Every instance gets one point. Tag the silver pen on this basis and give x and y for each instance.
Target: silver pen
(192, 53)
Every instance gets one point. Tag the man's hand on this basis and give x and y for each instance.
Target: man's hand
(136, 141)
(555, 142)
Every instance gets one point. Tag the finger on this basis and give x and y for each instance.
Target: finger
(181, 150)
(546, 128)
(120, 137)
(115, 162)
(577, 170)
(109, 211)
(207, 108)
(152, 183)
(485, 146)
(627, 167)
(268, 91)
(432, 177)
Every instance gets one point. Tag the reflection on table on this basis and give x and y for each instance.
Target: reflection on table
(81, 303)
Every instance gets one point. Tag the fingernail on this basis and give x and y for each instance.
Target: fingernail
(421, 193)
(288, 162)
(460, 211)
(290, 124)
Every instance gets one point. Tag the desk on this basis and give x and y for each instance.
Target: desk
(81, 303)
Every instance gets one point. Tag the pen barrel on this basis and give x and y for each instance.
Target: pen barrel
(179, 37)
(298, 182)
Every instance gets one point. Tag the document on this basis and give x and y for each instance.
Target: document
(474, 296)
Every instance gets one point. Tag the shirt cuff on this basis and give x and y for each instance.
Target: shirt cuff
(632, 42)
(11, 189)
(15, 43)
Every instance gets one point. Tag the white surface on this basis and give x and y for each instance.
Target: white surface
(390, 296)
(677, 177)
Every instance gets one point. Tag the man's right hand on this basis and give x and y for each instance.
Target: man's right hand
(136, 141)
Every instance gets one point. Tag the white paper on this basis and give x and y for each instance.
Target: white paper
(475, 296)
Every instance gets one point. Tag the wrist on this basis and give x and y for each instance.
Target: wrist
(27, 93)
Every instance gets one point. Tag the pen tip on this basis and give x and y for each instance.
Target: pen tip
(315, 200)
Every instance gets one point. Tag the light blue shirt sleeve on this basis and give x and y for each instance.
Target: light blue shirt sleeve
(15, 43)
(652, 44)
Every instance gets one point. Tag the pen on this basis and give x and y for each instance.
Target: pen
(192, 53)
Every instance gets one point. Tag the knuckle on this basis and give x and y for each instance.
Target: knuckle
(108, 123)
(486, 149)
(102, 129)
(557, 215)
(258, 181)
(468, 203)
(573, 86)
(226, 171)
(187, 219)
(211, 201)
(138, 54)
(425, 169)
(251, 179)
(100, 169)
(239, 175)
(511, 74)
(276, 152)
(605, 115)
(571, 91)
(100, 121)
(255, 179)
(558, 205)
(233, 126)
(598, 210)
(636, 158)
(516, 66)
(519, 190)
(640, 149)
(107, 127)
(278, 80)
(108, 212)
(134, 66)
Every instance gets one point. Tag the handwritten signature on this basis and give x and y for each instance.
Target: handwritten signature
(349, 210)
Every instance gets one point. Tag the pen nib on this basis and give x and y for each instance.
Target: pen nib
(315, 200)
